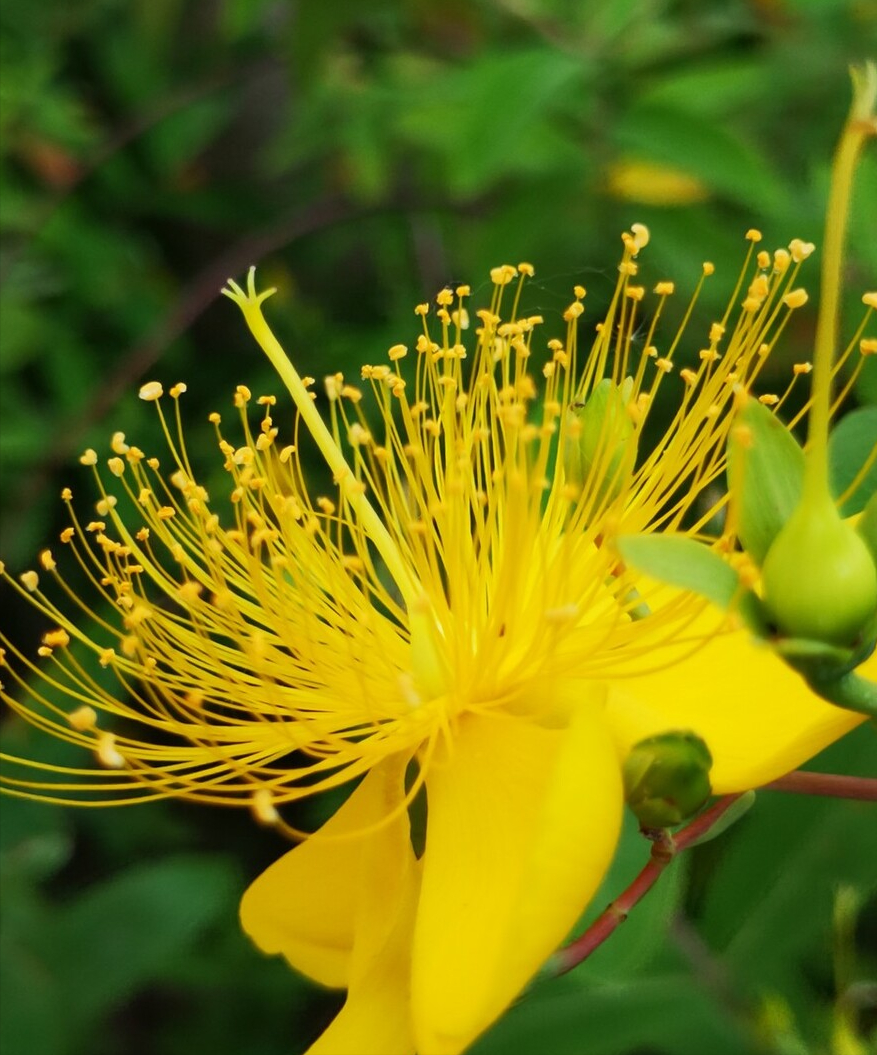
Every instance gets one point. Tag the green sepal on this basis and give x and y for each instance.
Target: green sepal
(666, 778)
(852, 441)
(601, 456)
(690, 565)
(730, 817)
(765, 477)
(831, 672)
(805, 654)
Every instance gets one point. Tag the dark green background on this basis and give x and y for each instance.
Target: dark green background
(364, 154)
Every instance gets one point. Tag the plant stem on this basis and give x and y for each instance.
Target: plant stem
(665, 847)
(864, 789)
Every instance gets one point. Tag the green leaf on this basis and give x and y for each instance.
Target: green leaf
(765, 477)
(125, 931)
(852, 443)
(668, 1014)
(680, 561)
(711, 151)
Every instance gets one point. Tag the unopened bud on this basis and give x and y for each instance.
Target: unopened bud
(666, 778)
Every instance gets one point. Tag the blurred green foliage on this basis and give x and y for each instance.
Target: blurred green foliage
(364, 155)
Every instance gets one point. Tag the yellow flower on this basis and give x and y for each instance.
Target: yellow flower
(450, 615)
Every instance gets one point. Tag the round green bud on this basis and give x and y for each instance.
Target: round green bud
(819, 578)
(666, 778)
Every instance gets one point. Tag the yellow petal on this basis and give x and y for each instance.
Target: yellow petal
(306, 906)
(376, 1017)
(759, 718)
(522, 824)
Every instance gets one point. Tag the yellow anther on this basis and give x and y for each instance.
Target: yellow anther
(708, 267)
(421, 309)
(640, 235)
(47, 560)
(56, 638)
(870, 299)
(742, 434)
(781, 260)
(66, 494)
(189, 592)
(665, 289)
(501, 276)
(800, 250)
(357, 435)
(104, 505)
(178, 389)
(769, 399)
(333, 384)
(165, 512)
(444, 297)
(151, 391)
(868, 345)
(527, 269)
(67, 534)
(803, 368)
(107, 753)
(579, 292)
(262, 807)
(463, 291)
(117, 443)
(753, 235)
(242, 396)
(30, 580)
(664, 365)
(763, 259)
(116, 466)
(796, 298)
(88, 457)
(83, 718)
(214, 418)
(573, 311)
(399, 351)
(688, 376)
(326, 505)
(286, 453)
(635, 292)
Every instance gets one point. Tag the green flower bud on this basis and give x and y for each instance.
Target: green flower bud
(666, 778)
(600, 449)
(820, 580)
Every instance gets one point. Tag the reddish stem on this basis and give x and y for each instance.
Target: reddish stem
(665, 846)
(799, 783)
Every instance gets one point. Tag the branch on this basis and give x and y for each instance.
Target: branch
(665, 847)
(864, 789)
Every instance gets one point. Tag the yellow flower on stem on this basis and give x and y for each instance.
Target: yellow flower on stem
(451, 619)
